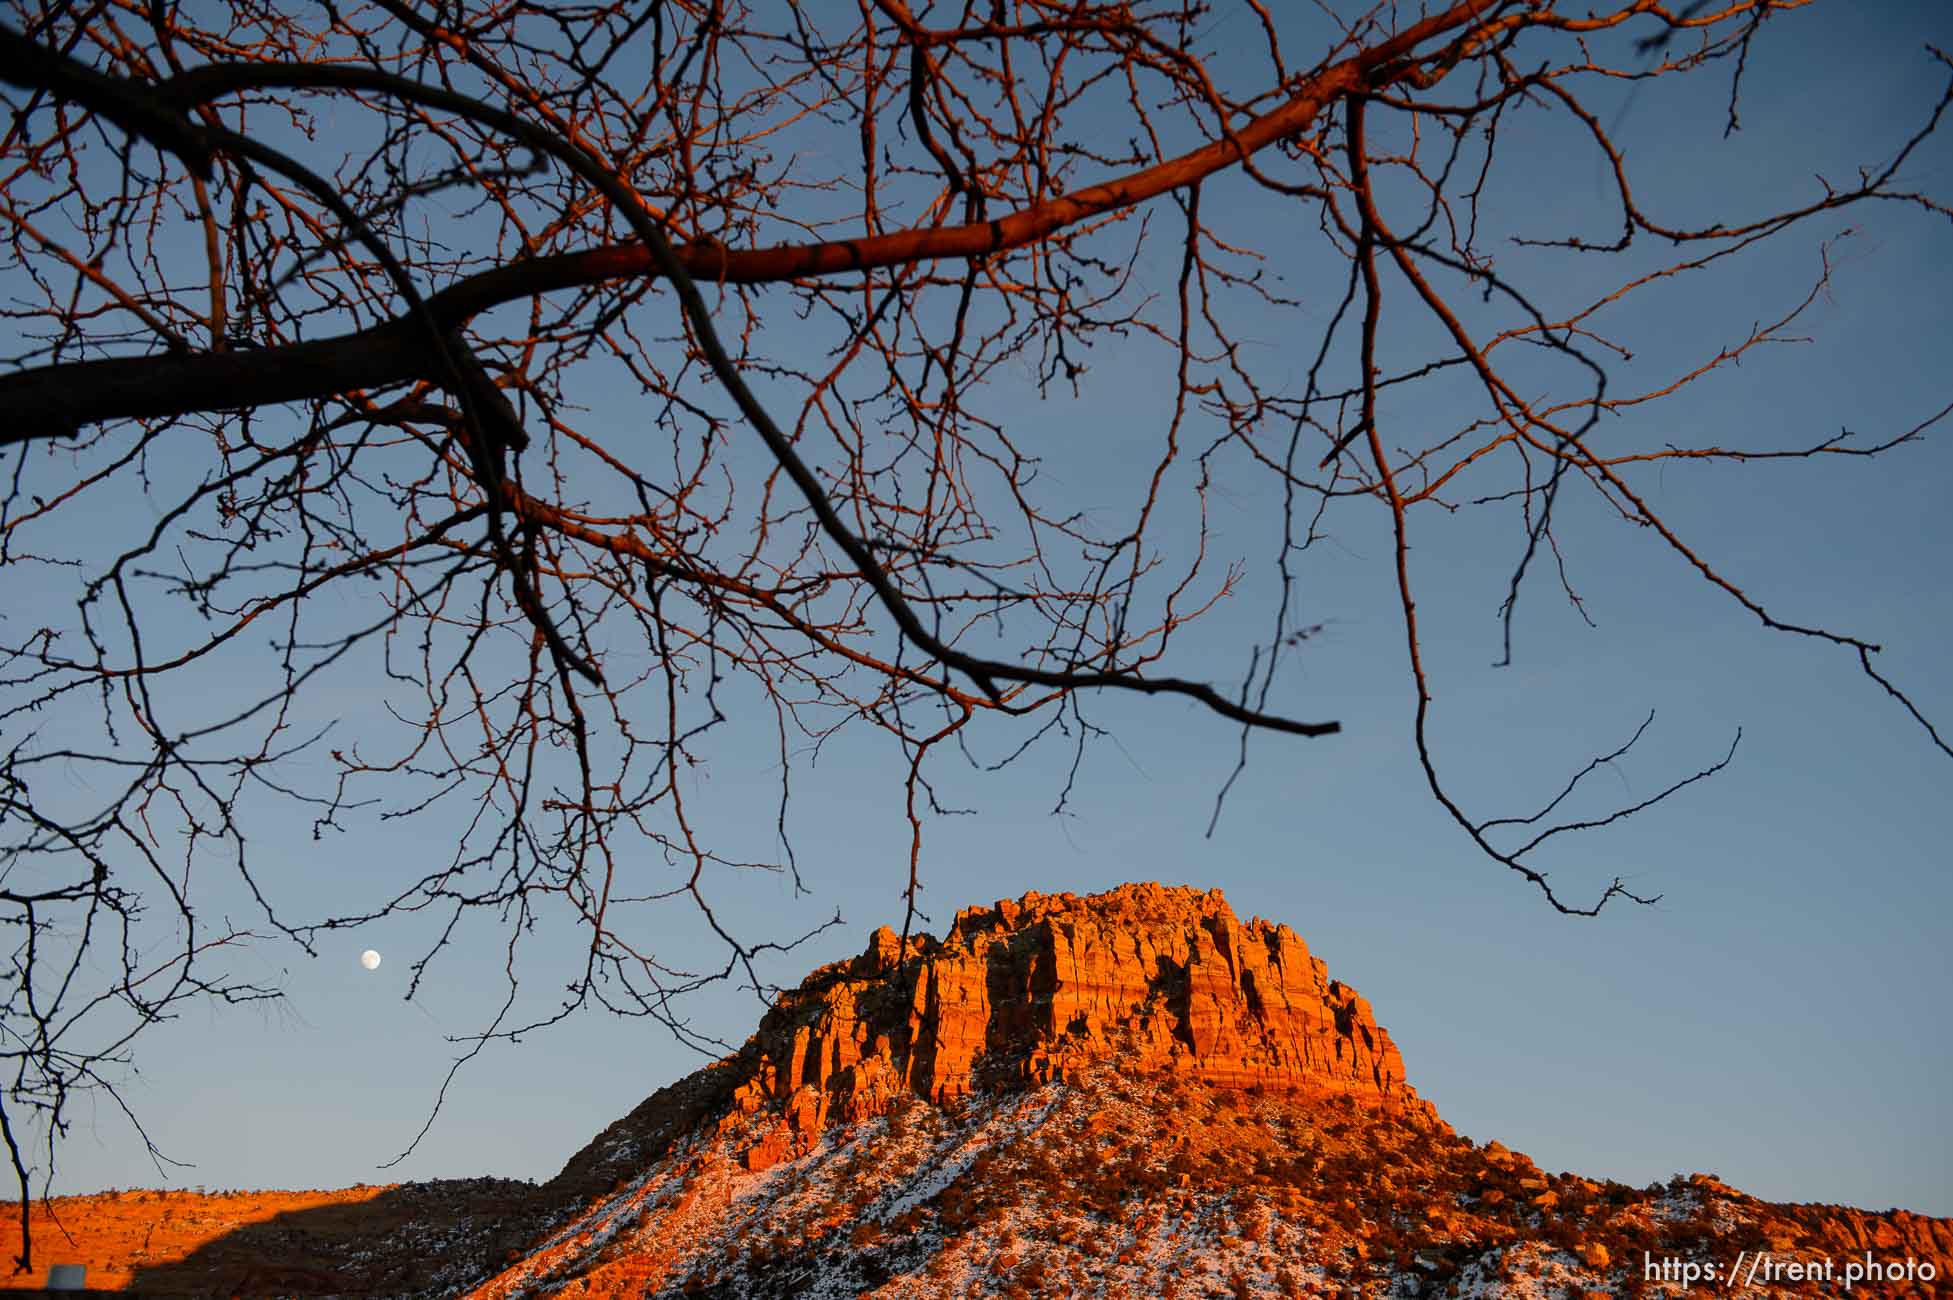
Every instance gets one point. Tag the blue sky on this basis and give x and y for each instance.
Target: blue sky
(1777, 1019)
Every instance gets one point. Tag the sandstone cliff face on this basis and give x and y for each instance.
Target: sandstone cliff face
(1160, 979)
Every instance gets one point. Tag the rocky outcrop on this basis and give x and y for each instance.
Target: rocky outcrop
(1896, 1234)
(1028, 991)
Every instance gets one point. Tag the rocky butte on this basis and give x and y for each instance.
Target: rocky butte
(1129, 1094)
(1163, 981)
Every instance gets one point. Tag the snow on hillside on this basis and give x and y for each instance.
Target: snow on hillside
(1111, 1188)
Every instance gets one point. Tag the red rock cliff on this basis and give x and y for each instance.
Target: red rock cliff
(1161, 979)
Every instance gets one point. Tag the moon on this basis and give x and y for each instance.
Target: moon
(370, 959)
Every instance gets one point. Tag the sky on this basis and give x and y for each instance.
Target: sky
(1777, 1019)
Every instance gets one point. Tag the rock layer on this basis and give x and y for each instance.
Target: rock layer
(1031, 990)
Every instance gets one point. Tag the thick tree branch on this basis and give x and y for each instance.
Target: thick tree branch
(52, 401)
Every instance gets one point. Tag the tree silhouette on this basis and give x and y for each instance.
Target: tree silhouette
(330, 291)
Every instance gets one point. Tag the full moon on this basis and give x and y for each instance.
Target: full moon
(370, 959)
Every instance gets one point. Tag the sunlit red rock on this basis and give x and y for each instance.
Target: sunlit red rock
(1034, 989)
